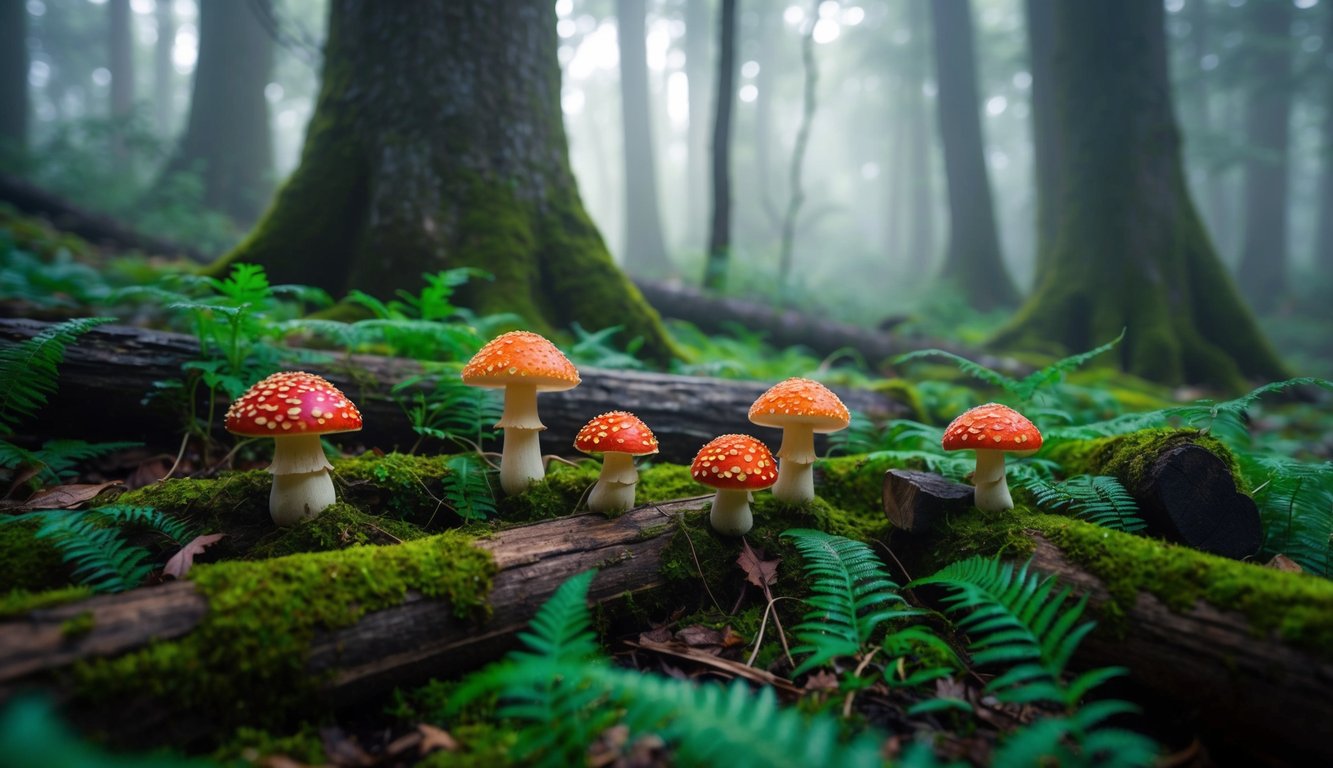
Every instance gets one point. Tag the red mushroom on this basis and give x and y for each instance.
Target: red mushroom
(524, 363)
(619, 436)
(992, 430)
(735, 465)
(800, 408)
(295, 408)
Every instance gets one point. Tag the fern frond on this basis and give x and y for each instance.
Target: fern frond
(1295, 502)
(1028, 385)
(29, 369)
(466, 489)
(1099, 499)
(852, 595)
(973, 369)
(92, 542)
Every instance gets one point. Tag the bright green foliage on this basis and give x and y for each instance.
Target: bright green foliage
(439, 405)
(92, 542)
(55, 460)
(1077, 740)
(32, 734)
(28, 370)
(594, 349)
(1295, 501)
(467, 489)
(1099, 499)
(566, 694)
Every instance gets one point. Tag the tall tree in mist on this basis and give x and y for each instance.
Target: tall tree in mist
(919, 147)
(1132, 253)
(438, 142)
(698, 72)
(1324, 236)
(1046, 136)
(1263, 262)
(645, 251)
(120, 52)
(13, 74)
(972, 262)
(228, 137)
(719, 234)
(164, 70)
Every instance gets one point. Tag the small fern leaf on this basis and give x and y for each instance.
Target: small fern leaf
(1099, 499)
(29, 369)
(973, 369)
(466, 489)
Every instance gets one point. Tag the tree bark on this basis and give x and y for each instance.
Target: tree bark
(228, 139)
(438, 142)
(1046, 137)
(1132, 252)
(916, 501)
(719, 237)
(920, 176)
(698, 66)
(14, 105)
(972, 262)
(1262, 273)
(120, 57)
(645, 249)
(164, 68)
(117, 365)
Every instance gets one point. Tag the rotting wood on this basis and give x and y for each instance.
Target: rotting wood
(109, 371)
(914, 501)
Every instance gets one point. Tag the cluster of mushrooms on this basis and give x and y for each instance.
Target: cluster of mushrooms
(296, 408)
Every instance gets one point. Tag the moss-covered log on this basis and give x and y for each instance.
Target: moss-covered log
(111, 369)
(437, 142)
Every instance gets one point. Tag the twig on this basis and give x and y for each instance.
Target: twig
(759, 638)
(768, 595)
(693, 554)
(185, 440)
(847, 702)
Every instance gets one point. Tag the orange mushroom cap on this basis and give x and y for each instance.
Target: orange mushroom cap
(992, 427)
(618, 432)
(735, 462)
(521, 357)
(800, 401)
(291, 403)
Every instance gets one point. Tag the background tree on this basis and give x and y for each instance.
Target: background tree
(920, 173)
(645, 251)
(698, 69)
(719, 234)
(1132, 252)
(438, 142)
(13, 75)
(972, 261)
(164, 70)
(120, 56)
(227, 136)
(1263, 263)
(1046, 137)
(1323, 258)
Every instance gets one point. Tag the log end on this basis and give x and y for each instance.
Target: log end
(913, 500)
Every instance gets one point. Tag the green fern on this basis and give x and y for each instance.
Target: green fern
(1099, 499)
(29, 369)
(466, 488)
(1295, 501)
(440, 406)
(92, 541)
(1077, 740)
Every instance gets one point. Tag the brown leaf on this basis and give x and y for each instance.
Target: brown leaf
(66, 496)
(823, 680)
(180, 563)
(758, 571)
(657, 634)
(699, 636)
(1284, 563)
(731, 638)
(433, 738)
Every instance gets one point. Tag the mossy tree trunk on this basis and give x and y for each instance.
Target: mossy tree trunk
(438, 142)
(227, 138)
(972, 261)
(645, 248)
(1130, 250)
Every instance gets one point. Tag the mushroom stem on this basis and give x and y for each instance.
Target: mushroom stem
(521, 458)
(795, 483)
(520, 408)
(300, 496)
(992, 490)
(798, 444)
(614, 491)
(731, 514)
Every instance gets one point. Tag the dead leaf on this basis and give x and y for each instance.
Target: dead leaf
(180, 563)
(700, 637)
(823, 680)
(1284, 563)
(433, 738)
(657, 635)
(758, 571)
(731, 638)
(66, 496)
(342, 750)
(281, 761)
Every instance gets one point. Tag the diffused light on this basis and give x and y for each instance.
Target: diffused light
(658, 43)
(566, 28)
(826, 31)
(999, 160)
(996, 105)
(678, 98)
(1175, 6)
(273, 92)
(1303, 4)
(39, 74)
(852, 16)
(572, 101)
(750, 69)
(143, 7)
(828, 9)
(36, 8)
(870, 171)
(1022, 80)
(749, 93)
(1209, 62)
(102, 76)
(564, 7)
(794, 15)
(186, 50)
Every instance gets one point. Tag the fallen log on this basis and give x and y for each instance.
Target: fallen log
(110, 370)
(916, 501)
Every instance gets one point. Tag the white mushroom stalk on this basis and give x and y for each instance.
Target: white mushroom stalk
(302, 486)
(731, 515)
(615, 487)
(521, 457)
(796, 475)
(992, 489)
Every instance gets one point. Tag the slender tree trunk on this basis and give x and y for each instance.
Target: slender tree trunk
(1132, 253)
(228, 138)
(1263, 263)
(438, 142)
(1324, 238)
(13, 75)
(698, 69)
(1046, 137)
(768, 28)
(973, 260)
(164, 69)
(645, 251)
(719, 238)
(120, 54)
(920, 175)
(795, 191)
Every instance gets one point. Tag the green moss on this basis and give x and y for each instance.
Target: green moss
(77, 626)
(905, 393)
(246, 660)
(20, 601)
(480, 745)
(1127, 457)
(338, 527)
(560, 493)
(853, 483)
(27, 562)
(304, 745)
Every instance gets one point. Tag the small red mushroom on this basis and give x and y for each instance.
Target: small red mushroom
(735, 465)
(295, 408)
(619, 436)
(992, 430)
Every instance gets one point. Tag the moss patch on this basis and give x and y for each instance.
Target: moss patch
(20, 601)
(27, 562)
(252, 745)
(246, 660)
(338, 527)
(1127, 457)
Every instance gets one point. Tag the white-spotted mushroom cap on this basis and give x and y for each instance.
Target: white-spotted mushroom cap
(292, 403)
(800, 401)
(735, 462)
(616, 431)
(521, 357)
(992, 427)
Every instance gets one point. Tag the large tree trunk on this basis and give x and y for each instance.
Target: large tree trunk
(13, 75)
(1132, 253)
(645, 250)
(228, 139)
(972, 262)
(698, 70)
(920, 150)
(438, 142)
(1046, 137)
(1262, 273)
(719, 234)
(164, 68)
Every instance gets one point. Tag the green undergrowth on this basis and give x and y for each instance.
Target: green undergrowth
(241, 663)
(20, 601)
(1127, 457)
(1295, 607)
(26, 562)
(337, 527)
